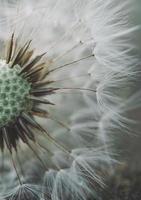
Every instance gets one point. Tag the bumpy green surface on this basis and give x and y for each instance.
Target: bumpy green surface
(13, 93)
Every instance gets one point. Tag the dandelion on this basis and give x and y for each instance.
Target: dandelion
(55, 91)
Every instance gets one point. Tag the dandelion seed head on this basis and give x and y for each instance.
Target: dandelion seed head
(64, 59)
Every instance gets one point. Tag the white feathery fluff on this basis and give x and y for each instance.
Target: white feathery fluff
(93, 41)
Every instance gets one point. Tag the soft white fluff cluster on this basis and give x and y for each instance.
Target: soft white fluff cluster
(92, 42)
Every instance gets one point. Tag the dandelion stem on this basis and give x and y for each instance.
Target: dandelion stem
(67, 64)
(18, 176)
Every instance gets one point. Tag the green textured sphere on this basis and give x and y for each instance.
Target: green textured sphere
(14, 90)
